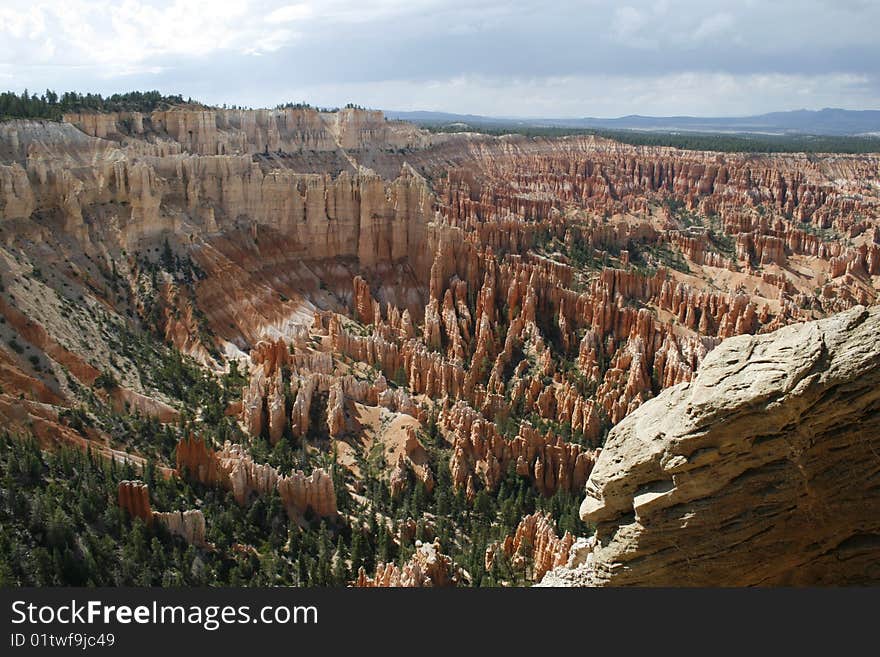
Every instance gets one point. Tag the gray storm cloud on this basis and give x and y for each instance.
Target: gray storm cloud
(500, 58)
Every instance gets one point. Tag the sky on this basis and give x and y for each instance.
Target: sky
(497, 58)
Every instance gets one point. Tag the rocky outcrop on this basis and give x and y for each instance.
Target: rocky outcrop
(280, 370)
(134, 498)
(336, 409)
(189, 524)
(232, 468)
(366, 310)
(300, 493)
(481, 456)
(428, 567)
(534, 547)
(412, 462)
(209, 131)
(760, 471)
(353, 214)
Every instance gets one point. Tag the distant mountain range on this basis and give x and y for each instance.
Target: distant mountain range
(828, 121)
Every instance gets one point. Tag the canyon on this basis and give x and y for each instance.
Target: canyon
(365, 325)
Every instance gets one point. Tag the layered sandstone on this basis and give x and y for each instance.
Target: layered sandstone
(189, 524)
(231, 468)
(134, 498)
(758, 472)
(211, 131)
(61, 172)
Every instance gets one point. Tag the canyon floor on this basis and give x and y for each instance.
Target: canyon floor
(292, 347)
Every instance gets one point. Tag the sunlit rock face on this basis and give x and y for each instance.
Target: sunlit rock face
(134, 498)
(757, 472)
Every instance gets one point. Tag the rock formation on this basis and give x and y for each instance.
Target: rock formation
(481, 454)
(427, 567)
(231, 468)
(304, 374)
(535, 544)
(412, 461)
(757, 472)
(189, 524)
(134, 497)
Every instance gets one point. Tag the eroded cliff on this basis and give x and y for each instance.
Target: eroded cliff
(762, 471)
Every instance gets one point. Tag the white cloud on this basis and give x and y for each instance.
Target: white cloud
(629, 27)
(119, 38)
(289, 13)
(713, 26)
(491, 56)
(606, 96)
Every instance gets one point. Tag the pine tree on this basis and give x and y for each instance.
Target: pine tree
(340, 569)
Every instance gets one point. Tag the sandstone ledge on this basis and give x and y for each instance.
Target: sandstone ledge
(764, 470)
